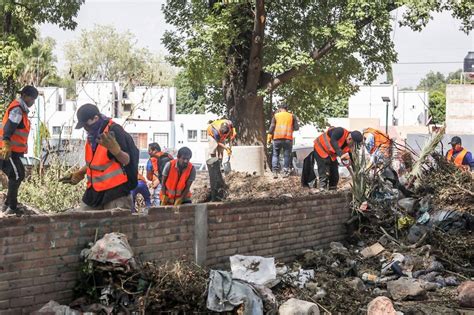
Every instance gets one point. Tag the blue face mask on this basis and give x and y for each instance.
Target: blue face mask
(93, 131)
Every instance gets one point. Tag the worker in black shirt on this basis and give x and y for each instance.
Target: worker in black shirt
(331, 147)
(111, 162)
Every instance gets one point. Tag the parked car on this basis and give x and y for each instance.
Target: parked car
(30, 161)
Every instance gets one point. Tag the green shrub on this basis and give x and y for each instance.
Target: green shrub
(43, 191)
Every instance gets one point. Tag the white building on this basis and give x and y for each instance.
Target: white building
(107, 95)
(191, 132)
(405, 108)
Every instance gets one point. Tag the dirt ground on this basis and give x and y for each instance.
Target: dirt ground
(244, 186)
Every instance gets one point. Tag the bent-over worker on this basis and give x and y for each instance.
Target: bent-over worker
(378, 145)
(333, 145)
(219, 131)
(178, 176)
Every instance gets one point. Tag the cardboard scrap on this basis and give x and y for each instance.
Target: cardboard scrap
(372, 251)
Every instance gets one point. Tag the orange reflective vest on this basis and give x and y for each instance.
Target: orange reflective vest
(457, 160)
(103, 173)
(283, 126)
(19, 139)
(175, 182)
(322, 145)
(216, 125)
(381, 141)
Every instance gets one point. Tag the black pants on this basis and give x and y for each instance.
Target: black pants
(15, 172)
(328, 172)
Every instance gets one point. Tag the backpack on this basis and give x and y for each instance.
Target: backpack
(162, 161)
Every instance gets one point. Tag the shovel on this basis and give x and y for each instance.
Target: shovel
(226, 166)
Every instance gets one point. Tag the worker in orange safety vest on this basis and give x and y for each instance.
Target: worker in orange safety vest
(460, 156)
(14, 132)
(281, 130)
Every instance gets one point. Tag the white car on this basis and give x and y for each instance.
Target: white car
(30, 161)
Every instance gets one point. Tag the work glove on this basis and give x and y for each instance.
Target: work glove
(5, 150)
(269, 138)
(178, 201)
(110, 143)
(73, 178)
(229, 151)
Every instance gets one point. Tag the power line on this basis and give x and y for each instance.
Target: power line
(428, 62)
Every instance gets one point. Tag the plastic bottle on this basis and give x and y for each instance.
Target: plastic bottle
(367, 277)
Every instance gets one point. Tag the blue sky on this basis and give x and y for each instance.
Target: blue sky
(440, 42)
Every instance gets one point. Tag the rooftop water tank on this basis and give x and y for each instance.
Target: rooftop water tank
(469, 62)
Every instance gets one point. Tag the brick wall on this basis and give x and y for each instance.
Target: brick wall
(39, 255)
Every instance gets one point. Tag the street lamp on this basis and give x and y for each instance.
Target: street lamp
(386, 99)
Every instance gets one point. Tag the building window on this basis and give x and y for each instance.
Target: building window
(67, 130)
(161, 139)
(127, 107)
(204, 135)
(56, 130)
(192, 135)
(140, 140)
(60, 106)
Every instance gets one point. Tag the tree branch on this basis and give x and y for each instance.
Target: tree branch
(255, 59)
(316, 54)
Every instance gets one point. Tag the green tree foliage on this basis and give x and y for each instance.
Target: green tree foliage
(435, 84)
(437, 106)
(188, 100)
(309, 52)
(19, 19)
(36, 64)
(103, 53)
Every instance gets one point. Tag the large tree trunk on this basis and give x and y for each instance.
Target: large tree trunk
(241, 84)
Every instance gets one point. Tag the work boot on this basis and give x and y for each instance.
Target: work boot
(286, 173)
(9, 211)
(275, 174)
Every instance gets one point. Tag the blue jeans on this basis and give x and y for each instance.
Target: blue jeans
(143, 190)
(278, 146)
(155, 197)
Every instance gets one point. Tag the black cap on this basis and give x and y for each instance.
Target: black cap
(29, 90)
(84, 113)
(357, 136)
(283, 105)
(455, 140)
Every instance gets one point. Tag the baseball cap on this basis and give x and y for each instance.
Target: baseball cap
(29, 90)
(455, 140)
(84, 113)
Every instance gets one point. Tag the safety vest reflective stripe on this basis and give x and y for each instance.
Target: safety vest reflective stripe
(18, 132)
(100, 167)
(216, 125)
(283, 126)
(98, 179)
(18, 144)
(457, 160)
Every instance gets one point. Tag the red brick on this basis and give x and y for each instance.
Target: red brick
(4, 304)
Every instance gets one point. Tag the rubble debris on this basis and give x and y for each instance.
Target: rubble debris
(226, 293)
(381, 306)
(405, 288)
(253, 269)
(372, 250)
(53, 307)
(298, 307)
(466, 294)
(357, 284)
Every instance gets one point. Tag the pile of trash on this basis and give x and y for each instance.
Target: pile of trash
(351, 279)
